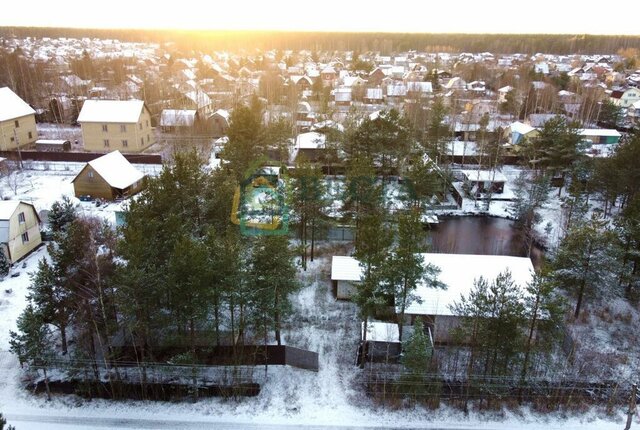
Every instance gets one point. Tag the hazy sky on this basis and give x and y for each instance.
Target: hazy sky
(430, 16)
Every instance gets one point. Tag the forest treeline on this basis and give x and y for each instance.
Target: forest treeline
(385, 43)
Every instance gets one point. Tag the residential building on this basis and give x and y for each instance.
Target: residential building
(625, 98)
(124, 125)
(17, 121)
(19, 229)
(109, 177)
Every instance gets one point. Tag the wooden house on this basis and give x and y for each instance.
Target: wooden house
(17, 121)
(218, 123)
(109, 177)
(19, 229)
(124, 125)
(178, 120)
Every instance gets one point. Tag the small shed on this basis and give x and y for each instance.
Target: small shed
(109, 177)
(382, 342)
(345, 275)
(480, 182)
(53, 145)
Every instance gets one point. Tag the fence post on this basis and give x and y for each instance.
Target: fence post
(632, 406)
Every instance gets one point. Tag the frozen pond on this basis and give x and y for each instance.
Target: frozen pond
(479, 235)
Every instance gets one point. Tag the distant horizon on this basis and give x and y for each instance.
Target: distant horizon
(306, 31)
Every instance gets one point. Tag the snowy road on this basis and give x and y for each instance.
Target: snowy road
(28, 422)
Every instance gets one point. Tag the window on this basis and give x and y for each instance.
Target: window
(125, 143)
(142, 141)
(123, 128)
(13, 139)
(21, 217)
(106, 143)
(105, 128)
(30, 135)
(148, 139)
(147, 123)
(16, 123)
(25, 237)
(140, 124)
(90, 174)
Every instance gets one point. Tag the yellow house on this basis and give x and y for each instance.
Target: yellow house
(17, 121)
(108, 125)
(19, 229)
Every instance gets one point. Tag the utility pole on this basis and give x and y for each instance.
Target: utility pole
(632, 406)
(15, 137)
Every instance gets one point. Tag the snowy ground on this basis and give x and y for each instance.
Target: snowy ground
(289, 397)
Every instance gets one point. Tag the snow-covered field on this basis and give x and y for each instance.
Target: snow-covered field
(289, 396)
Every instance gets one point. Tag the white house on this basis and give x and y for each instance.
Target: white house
(458, 272)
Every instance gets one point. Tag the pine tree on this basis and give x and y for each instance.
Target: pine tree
(52, 297)
(586, 263)
(405, 267)
(245, 141)
(5, 265)
(493, 322)
(272, 276)
(32, 343)
(531, 194)
(543, 312)
(417, 352)
(3, 423)
(307, 201)
(62, 214)
(372, 251)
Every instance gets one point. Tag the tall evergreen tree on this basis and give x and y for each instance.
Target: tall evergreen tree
(405, 267)
(417, 352)
(586, 263)
(62, 214)
(53, 299)
(32, 343)
(543, 312)
(272, 278)
(307, 200)
(493, 322)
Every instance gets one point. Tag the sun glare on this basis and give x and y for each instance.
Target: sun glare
(465, 16)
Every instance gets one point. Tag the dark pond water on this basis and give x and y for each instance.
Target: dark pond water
(480, 235)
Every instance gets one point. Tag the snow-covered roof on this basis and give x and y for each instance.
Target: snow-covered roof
(223, 113)
(419, 86)
(7, 208)
(600, 132)
(484, 175)
(349, 81)
(381, 332)
(118, 111)
(342, 94)
(116, 170)
(327, 124)
(12, 106)
(520, 127)
(345, 269)
(177, 118)
(374, 93)
(458, 272)
(396, 90)
(310, 140)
